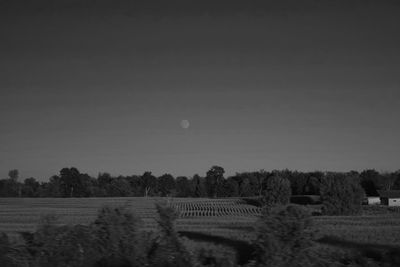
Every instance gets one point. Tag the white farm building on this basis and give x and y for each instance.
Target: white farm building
(373, 200)
(390, 197)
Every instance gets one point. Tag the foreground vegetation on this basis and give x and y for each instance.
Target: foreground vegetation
(281, 236)
(210, 232)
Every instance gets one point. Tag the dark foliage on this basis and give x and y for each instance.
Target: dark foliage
(214, 181)
(244, 250)
(305, 199)
(341, 194)
(12, 255)
(115, 239)
(168, 249)
(166, 185)
(183, 188)
(277, 191)
(364, 252)
(72, 183)
(283, 236)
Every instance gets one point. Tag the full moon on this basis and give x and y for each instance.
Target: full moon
(185, 124)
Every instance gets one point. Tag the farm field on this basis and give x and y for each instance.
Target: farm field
(214, 216)
(23, 214)
(231, 217)
(374, 229)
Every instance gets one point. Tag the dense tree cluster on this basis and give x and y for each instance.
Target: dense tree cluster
(283, 237)
(341, 194)
(274, 186)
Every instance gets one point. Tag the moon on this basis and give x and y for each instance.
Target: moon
(185, 124)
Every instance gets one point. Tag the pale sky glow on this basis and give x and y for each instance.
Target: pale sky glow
(109, 92)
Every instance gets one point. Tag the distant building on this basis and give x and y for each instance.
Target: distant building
(372, 201)
(390, 197)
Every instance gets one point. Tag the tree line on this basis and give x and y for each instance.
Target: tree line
(70, 182)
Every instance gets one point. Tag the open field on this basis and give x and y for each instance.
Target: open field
(23, 214)
(383, 230)
(224, 217)
(221, 217)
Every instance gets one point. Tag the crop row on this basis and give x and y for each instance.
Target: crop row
(205, 209)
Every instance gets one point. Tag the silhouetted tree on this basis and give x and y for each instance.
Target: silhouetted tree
(135, 184)
(119, 187)
(8, 188)
(14, 186)
(258, 181)
(166, 185)
(370, 181)
(396, 184)
(118, 239)
(148, 183)
(341, 194)
(245, 188)
(30, 187)
(69, 182)
(251, 183)
(283, 237)
(313, 183)
(387, 181)
(52, 188)
(229, 188)
(198, 186)
(170, 250)
(183, 187)
(277, 191)
(13, 175)
(103, 183)
(214, 180)
(298, 182)
(104, 179)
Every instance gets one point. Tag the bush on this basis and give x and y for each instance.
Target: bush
(212, 255)
(112, 240)
(168, 249)
(277, 191)
(63, 246)
(211, 249)
(118, 239)
(283, 236)
(5, 250)
(341, 194)
(12, 255)
(53, 245)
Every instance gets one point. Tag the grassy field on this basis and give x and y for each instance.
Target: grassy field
(23, 214)
(224, 217)
(231, 218)
(380, 228)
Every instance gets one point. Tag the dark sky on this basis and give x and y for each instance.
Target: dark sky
(103, 86)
